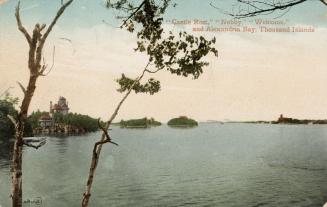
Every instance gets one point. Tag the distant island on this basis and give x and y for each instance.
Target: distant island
(213, 122)
(286, 120)
(139, 123)
(182, 121)
(59, 121)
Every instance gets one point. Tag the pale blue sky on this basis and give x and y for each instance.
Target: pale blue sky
(86, 13)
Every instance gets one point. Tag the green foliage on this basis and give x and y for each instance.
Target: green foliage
(86, 122)
(139, 123)
(33, 119)
(9, 98)
(180, 54)
(153, 122)
(7, 128)
(152, 86)
(182, 121)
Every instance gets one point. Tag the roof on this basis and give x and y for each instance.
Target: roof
(45, 118)
(58, 107)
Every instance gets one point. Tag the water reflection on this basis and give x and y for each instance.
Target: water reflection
(61, 144)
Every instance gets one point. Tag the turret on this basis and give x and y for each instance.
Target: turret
(51, 107)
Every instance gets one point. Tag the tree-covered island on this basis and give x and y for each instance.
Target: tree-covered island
(182, 121)
(139, 123)
(57, 121)
(286, 120)
(60, 121)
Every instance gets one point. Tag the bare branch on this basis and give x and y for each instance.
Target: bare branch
(126, 95)
(149, 71)
(42, 27)
(105, 138)
(262, 7)
(64, 38)
(34, 139)
(12, 119)
(42, 38)
(105, 131)
(132, 14)
(20, 25)
(28, 142)
(21, 87)
(44, 67)
(220, 10)
(324, 2)
(36, 43)
(54, 21)
(289, 8)
(34, 146)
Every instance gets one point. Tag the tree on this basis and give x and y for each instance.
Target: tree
(251, 8)
(33, 119)
(37, 68)
(180, 54)
(7, 108)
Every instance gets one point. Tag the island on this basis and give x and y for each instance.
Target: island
(182, 121)
(139, 123)
(60, 121)
(286, 120)
(57, 121)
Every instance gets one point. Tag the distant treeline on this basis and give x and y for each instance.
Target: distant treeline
(299, 121)
(287, 121)
(182, 122)
(139, 123)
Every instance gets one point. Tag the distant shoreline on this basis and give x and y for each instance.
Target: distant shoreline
(182, 126)
(265, 122)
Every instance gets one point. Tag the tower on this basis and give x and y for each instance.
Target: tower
(51, 107)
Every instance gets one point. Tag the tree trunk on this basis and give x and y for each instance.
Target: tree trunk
(94, 164)
(16, 191)
(16, 170)
(36, 43)
(104, 139)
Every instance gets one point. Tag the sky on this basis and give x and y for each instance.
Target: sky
(256, 76)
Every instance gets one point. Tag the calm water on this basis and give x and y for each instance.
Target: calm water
(212, 165)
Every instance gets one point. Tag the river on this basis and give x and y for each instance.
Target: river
(227, 165)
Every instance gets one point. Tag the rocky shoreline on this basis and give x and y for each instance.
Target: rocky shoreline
(59, 129)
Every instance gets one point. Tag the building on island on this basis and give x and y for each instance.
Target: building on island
(286, 120)
(60, 107)
(46, 121)
(280, 119)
